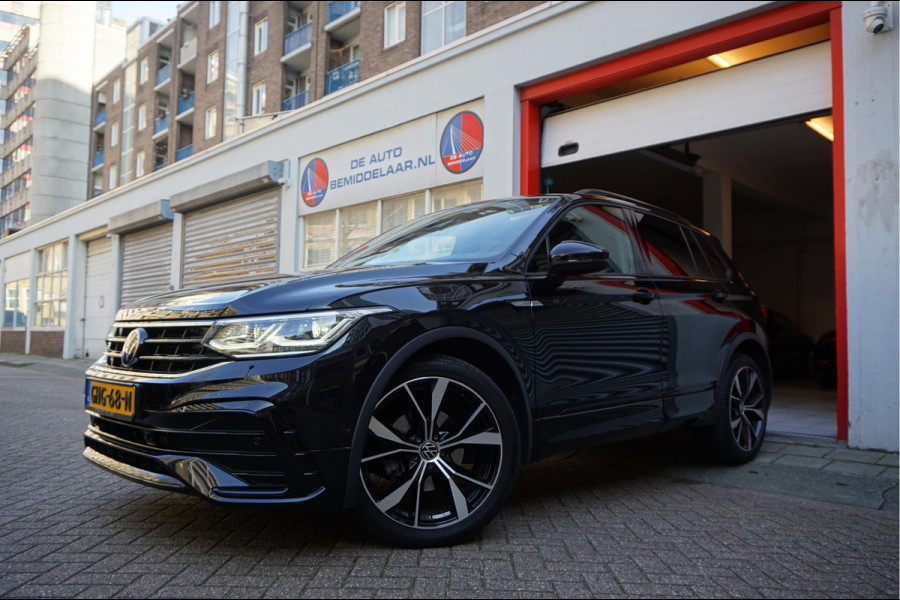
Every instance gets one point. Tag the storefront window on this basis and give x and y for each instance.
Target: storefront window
(319, 239)
(52, 286)
(15, 307)
(359, 224)
(456, 195)
(397, 211)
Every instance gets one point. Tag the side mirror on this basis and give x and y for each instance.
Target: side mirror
(577, 258)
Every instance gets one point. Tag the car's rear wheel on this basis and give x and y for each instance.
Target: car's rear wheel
(440, 456)
(742, 405)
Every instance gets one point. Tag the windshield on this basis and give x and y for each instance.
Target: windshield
(480, 232)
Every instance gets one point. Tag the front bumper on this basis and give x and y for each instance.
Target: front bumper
(229, 436)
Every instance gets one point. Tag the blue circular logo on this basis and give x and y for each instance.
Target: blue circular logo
(314, 182)
(462, 142)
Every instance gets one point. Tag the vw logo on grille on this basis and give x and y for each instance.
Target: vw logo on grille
(429, 450)
(132, 346)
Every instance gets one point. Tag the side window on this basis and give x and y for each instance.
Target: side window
(667, 247)
(703, 269)
(719, 269)
(595, 224)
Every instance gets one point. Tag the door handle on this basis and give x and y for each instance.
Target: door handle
(643, 296)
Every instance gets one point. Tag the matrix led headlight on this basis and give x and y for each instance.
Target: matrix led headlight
(301, 333)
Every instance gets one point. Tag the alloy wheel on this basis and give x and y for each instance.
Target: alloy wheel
(747, 401)
(433, 453)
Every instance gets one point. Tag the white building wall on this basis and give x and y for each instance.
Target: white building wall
(870, 163)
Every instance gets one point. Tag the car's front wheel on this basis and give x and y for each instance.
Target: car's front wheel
(440, 457)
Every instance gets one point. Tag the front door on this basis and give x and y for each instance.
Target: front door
(597, 338)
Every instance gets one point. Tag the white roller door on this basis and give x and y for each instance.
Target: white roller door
(785, 85)
(146, 262)
(231, 241)
(98, 304)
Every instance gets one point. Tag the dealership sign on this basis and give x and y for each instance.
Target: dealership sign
(429, 152)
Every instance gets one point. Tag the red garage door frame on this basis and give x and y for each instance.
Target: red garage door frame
(767, 25)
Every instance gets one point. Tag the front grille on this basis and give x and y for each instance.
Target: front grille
(173, 347)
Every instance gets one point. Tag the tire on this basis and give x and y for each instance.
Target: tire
(440, 458)
(741, 413)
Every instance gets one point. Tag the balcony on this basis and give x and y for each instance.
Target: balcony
(183, 153)
(341, 77)
(163, 75)
(343, 21)
(296, 101)
(100, 119)
(336, 10)
(185, 104)
(297, 46)
(160, 126)
(98, 160)
(187, 56)
(159, 166)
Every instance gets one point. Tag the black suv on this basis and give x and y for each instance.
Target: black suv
(412, 378)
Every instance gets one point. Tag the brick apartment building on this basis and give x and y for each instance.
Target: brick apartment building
(209, 73)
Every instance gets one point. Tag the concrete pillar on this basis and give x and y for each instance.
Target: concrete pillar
(717, 207)
(177, 251)
(871, 156)
(32, 298)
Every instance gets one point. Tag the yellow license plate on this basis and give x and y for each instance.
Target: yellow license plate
(111, 398)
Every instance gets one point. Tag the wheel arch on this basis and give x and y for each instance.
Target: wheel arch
(468, 345)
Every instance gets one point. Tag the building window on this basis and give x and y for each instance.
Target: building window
(259, 99)
(142, 117)
(442, 23)
(212, 66)
(145, 70)
(456, 195)
(359, 224)
(261, 35)
(117, 84)
(397, 211)
(15, 307)
(210, 127)
(215, 13)
(394, 24)
(114, 135)
(319, 239)
(52, 286)
(113, 176)
(139, 161)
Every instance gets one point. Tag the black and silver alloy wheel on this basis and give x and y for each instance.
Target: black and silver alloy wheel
(748, 417)
(439, 455)
(741, 407)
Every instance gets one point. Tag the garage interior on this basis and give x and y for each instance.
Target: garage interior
(765, 188)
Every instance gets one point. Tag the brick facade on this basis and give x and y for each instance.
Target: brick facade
(13, 340)
(325, 53)
(47, 343)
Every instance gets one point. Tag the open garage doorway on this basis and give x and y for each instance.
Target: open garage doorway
(766, 192)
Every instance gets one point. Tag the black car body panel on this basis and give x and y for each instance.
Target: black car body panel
(582, 359)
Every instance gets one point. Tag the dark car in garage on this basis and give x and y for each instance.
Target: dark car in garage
(412, 378)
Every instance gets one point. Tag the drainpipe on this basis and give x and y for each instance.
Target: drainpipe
(243, 38)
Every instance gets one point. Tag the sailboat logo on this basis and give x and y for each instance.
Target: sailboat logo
(461, 142)
(314, 183)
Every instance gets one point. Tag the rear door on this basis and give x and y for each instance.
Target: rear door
(699, 319)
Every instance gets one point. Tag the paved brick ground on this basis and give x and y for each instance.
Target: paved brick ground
(609, 522)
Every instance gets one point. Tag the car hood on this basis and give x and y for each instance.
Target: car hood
(312, 290)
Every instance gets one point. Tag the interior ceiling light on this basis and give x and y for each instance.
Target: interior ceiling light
(718, 61)
(824, 126)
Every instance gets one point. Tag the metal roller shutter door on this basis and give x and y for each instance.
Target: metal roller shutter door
(98, 306)
(146, 262)
(785, 85)
(231, 241)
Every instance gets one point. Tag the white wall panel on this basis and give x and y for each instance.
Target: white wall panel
(780, 86)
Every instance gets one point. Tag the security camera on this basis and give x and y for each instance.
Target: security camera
(879, 17)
